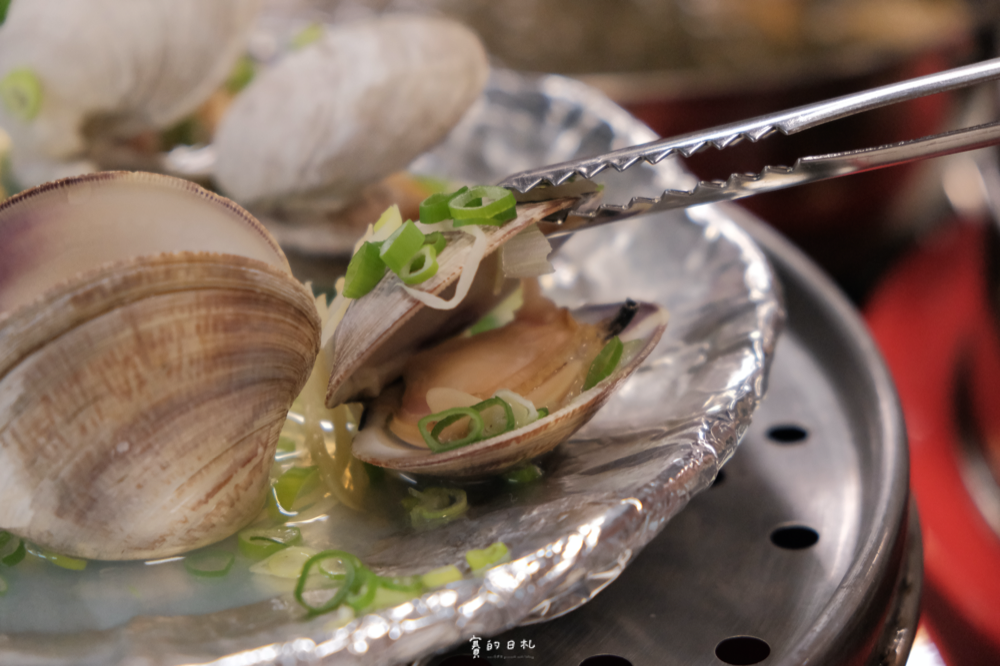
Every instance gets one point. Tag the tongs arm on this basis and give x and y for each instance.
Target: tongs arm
(805, 170)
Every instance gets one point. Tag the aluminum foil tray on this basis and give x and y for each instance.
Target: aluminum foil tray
(607, 493)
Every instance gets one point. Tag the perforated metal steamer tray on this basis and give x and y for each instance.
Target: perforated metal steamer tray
(806, 549)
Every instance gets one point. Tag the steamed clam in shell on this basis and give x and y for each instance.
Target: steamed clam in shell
(301, 134)
(542, 356)
(80, 77)
(152, 340)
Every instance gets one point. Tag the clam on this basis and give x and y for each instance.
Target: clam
(152, 339)
(78, 76)
(387, 335)
(300, 135)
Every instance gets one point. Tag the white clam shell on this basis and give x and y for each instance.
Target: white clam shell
(131, 65)
(152, 340)
(380, 330)
(375, 444)
(303, 129)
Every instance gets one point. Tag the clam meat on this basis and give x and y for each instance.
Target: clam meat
(388, 352)
(152, 340)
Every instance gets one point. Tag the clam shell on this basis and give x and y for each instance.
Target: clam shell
(141, 391)
(380, 330)
(301, 131)
(376, 445)
(114, 67)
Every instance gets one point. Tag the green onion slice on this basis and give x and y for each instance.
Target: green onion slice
(241, 75)
(604, 364)
(486, 557)
(434, 208)
(401, 245)
(293, 484)
(347, 582)
(4, 6)
(260, 542)
(21, 93)
(311, 34)
(209, 563)
(436, 506)
(493, 426)
(543, 412)
(364, 271)
(421, 267)
(362, 593)
(63, 561)
(12, 549)
(494, 201)
(436, 240)
(524, 474)
(441, 576)
(444, 419)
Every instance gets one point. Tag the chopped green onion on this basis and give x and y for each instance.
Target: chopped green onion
(495, 426)
(309, 35)
(494, 202)
(209, 563)
(364, 271)
(286, 563)
(293, 484)
(435, 506)
(243, 72)
(260, 542)
(441, 576)
(390, 220)
(400, 247)
(410, 584)
(363, 591)
(604, 364)
(21, 92)
(421, 267)
(495, 221)
(434, 208)
(12, 549)
(543, 412)
(436, 240)
(349, 574)
(63, 561)
(524, 474)
(444, 419)
(4, 6)
(479, 560)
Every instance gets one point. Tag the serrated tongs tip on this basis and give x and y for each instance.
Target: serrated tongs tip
(551, 181)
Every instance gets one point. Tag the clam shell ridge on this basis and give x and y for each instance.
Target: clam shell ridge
(375, 444)
(145, 376)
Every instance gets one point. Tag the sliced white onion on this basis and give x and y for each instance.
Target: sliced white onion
(475, 255)
(526, 254)
(524, 410)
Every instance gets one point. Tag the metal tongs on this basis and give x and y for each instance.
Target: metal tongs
(564, 179)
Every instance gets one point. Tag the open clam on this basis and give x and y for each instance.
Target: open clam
(152, 339)
(388, 334)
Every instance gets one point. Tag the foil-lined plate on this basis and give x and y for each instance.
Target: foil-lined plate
(606, 493)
